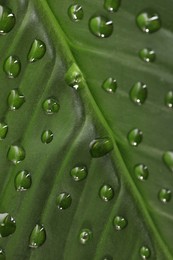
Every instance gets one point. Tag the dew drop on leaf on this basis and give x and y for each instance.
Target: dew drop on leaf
(7, 225)
(37, 237)
(165, 195)
(75, 12)
(147, 54)
(119, 222)
(3, 130)
(100, 147)
(141, 172)
(2, 254)
(168, 160)
(12, 67)
(101, 26)
(135, 137)
(47, 137)
(51, 106)
(73, 77)
(7, 20)
(138, 93)
(110, 85)
(15, 99)
(37, 50)
(63, 200)
(79, 173)
(16, 154)
(144, 252)
(22, 181)
(148, 21)
(169, 99)
(85, 236)
(106, 193)
(112, 5)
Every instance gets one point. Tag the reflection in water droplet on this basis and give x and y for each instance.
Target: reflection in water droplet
(51, 106)
(168, 160)
(16, 154)
(7, 20)
(119, 222)
(100, 147)
(73, 77)
(141, 172)
(23, 181)
(37, 51)
(12, 66)
(144, 252)
(138, 93)
(106, 192)
(37, 237)
(135, 137)
(112, 5)
(79, 173)
(110, 85)
(64, 200)
(2, 254)
(7, 225)
(15, 99)
(147, 55)
(148, 21)
(47, 136)
(85, 236)
(75, 12)
(100, 26)
(3, 130)
(169, 99)
(165, 195)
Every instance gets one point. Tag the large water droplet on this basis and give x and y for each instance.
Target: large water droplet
(147, 55)
(15, 99)
(16, 154)
(100, 147)
(169, 99)
(144, 252)
(141, 172)
(101, 26)
(168, 160)
(75, 12)
(85, 236)
(112, 5)
(47, 136)
(3, 130)
(51, 106)
(37, 237)
(138, 93)
(23, 181)
(7, 225)
(119, 222)
(106, 192)
(37, 51)
(64, 200)
(165, 195)
(74, 78)
(135, 137)
(7, 20)
(12, 66)
(110, 85)
(2, 254)
(148, 21)
(79, 173)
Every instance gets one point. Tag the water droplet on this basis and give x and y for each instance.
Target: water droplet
(144, 252)
(107, 257)
(47, 136)
(100, 147)
(112, 5)
(135, 137)
(37, 237)
(85, 236)
(148, 21)
(7, 225)
(101, 26)
(15, 99)
(165, 195)
(75, 12)
(74, 78)
(51, 106)
(16, 154)
(168, 160)
(64, 200)
(12, 66)
(119, 223)
(7, 20)
(106, 192)
(110, 85)
(23, 181)
(37, 51)
(169, 99)
(2, 254)
(79, 173)
(141, 172)
(147, 55)
(3, 130)
(138, 93)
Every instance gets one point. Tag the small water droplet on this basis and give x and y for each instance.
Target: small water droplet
(112, 5)
(47, 136)
(51, 106)
(64, 200)
(141, 172)
(101, 26)
(15, 99)
(7, 225)
(119, 222)
(165, 195)
(147, 54)
(7, 20)
(79, 173)
(23, 181)
(37, 237)
(16, 154)
(107, 257)
(148, 21)
(2, 254)
(12, 66)
(138, 93)
(37, 51)
(3, 130)
(85, 236)
(74, 78)
(100, 147)
(135, 137)
(169, 99)
(110, 85)
(106, 192)
(168, 160)
(75, 12)
(144, 252)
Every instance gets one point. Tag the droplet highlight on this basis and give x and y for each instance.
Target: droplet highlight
(138, 93)
(112, 5)
(47, 137)
(74, 78)
(147, 55)
(165, 195)
(107, 257)
(100, 147)
(79, 173)
(101, 26)
(12, 67)
(145, 252)
(75, 12)
(169, 99)
(3, 130)
(141, 172)
(63, 200)
(106, 193)
(135, 137)
(2, 254)
(119, 223)
(37, 237)
(148, 21)
(85, 236)
(37, 51)
(51, 106)
(168, 160)
(15, 99)
(110, 85)
(7, 225)
(23, 181)
(7, 20)
(16, 154)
